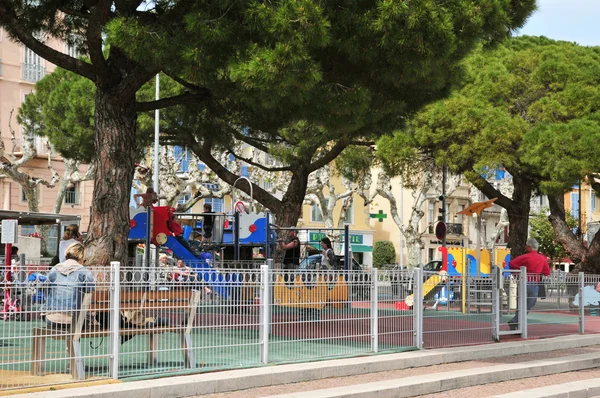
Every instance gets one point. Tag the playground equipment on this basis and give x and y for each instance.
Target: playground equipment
(311, 286)
(161, 235)
(459, 262)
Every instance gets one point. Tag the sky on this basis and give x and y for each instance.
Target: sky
(570, 20)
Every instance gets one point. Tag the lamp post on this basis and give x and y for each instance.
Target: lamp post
(156, 135)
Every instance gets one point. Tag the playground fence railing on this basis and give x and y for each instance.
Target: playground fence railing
(36, 353)
(166, 320)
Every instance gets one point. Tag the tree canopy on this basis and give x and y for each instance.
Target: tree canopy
(530, 106)
(542, 230)
(307, 77)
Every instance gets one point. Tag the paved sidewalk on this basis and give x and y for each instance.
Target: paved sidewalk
(208, 383)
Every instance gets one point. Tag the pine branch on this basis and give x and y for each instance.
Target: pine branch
(187, 98)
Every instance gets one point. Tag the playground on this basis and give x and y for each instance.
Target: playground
(225, 315)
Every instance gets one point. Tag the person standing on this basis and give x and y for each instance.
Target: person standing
(291, 257)
(208, 222)
(70, 237)
(536, 264)
(327, 255)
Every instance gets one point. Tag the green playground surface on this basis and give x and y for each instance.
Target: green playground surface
(226, 345)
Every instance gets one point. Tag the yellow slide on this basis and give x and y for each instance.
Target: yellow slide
(428, 286)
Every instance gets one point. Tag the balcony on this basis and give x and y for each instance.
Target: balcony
(32, 72)
(72, 198)
(454, 229)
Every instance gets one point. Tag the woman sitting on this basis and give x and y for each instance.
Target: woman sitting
(68, 282)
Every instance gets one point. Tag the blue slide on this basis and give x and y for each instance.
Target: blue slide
(220, 283)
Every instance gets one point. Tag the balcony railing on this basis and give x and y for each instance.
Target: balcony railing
(72, 198)
(454, 229)
(33, 72)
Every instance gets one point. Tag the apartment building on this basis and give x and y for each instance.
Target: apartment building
(20, 69)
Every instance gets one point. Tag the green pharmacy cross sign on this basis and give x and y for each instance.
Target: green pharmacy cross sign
(379, 215)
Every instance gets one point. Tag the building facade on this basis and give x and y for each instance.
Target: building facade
(20, 69)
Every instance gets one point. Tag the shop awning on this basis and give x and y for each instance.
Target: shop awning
(361, 248)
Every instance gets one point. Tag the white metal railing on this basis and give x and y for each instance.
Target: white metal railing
(72, 198)
(161, 320)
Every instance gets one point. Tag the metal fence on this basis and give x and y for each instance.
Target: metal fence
(147, 322)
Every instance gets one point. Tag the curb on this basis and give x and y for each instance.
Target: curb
(233, 380)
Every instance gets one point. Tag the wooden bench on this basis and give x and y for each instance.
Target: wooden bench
(152, 301)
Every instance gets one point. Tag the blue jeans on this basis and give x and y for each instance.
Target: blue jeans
(532, 296)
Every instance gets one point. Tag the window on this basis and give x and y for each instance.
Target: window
(575, 205)
(316, 214)
(216, 203)
(349, 219)
(52, 242)
(72, 195)
(33, 66)
(27, 230)
(184, 199)
(430, 213)
(184, 156)
(24, 197)
(459, 217)
(593, 199)
(431, 254)
(267, 184)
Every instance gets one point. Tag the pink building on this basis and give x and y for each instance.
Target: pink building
(20, 69)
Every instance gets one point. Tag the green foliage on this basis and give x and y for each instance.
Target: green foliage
(349, 69)
(384, 253)
(354, 163)
(530, 105)
(62, 109)
(542, 230)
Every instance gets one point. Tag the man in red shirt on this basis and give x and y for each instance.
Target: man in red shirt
(536, 264)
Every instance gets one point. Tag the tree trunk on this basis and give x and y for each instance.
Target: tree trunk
(587, 259)
(115, 124)
(289, 209)
(518, 216)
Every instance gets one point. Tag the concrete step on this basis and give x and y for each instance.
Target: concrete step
(438, 382)
(235, 380)
(580, 389)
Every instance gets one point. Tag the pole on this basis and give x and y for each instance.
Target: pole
(156, 135)
(444, 219)
(148, 236)
(401, 223)
(579, 199)
(478, 245)
(115, 314)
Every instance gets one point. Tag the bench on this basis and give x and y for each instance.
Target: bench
(129, 300)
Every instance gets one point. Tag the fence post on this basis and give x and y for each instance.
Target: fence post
(522, 307)
(496, 307)
(418, 307)
(264, 313)
(581, 303)
(115, 324)
(374, 310)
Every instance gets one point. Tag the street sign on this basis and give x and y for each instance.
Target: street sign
(9, 231)
(240, 207)
(379, 215)
(440, 230)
